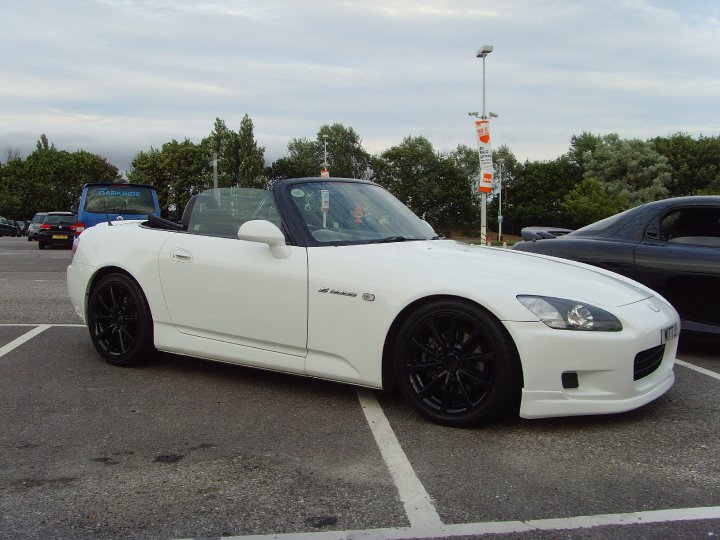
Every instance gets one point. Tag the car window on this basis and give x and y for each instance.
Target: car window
(60, 220)
(220, 212)
(700, 226)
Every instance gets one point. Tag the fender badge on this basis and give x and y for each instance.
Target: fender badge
(338, 292)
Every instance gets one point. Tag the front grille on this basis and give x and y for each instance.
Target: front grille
(647, 361)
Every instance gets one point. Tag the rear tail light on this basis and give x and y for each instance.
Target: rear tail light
(44, 226)
(80, 227)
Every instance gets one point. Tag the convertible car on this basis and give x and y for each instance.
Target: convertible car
(671, 246)
(336, 279)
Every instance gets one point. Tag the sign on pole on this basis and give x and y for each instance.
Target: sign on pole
(482, 127)
(324, 173)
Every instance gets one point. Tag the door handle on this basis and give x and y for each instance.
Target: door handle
(181, 255)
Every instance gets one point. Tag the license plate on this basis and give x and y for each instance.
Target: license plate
(59, 236)
(666, 334)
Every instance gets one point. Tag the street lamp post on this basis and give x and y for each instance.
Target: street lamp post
(500, 214)
(325, 173)
(482, 53)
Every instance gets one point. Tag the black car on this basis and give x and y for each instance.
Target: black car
(21, 226)
(671, 246)
(7, 227)
(57, 228)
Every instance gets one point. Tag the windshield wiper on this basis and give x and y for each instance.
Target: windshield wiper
(393, 239)
(438, 237)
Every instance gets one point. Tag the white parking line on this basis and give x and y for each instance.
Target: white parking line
(504, 527)
(27, 336)
(420, 510)
(699, 369)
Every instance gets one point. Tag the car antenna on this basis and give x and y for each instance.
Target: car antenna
(107, 216)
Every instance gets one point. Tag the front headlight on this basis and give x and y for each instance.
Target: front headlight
(565, 314)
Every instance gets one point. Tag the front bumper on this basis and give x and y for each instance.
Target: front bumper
(602, 362)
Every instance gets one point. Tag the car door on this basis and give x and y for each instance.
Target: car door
(235, 291)
(680, 258)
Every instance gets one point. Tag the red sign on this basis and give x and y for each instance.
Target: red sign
(324, 173)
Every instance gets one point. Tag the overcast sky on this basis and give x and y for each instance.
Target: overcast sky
(118, 76)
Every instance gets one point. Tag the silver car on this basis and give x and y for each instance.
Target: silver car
(34, 227)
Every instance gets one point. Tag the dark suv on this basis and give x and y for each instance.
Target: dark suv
(58, 228)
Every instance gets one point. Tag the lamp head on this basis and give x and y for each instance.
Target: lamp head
(484, 51)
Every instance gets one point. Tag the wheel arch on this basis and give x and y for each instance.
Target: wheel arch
(388, 377)
(101, 273)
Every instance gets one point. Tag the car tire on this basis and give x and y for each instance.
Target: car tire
(456, 365)
(120, 321)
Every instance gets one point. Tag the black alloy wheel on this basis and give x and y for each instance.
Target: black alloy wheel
(456, 365)
(120, 322)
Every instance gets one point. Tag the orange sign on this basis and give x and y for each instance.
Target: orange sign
(483, 131)
(485, 185)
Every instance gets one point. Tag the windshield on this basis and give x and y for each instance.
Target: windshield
(120, 199)
(353, 212)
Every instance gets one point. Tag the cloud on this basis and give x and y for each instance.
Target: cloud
(117, 77)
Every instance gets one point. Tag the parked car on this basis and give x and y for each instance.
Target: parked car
(34, 227)
(57, 229)
(671, 246)
(337, 279)
(7, 227)
(21, 227)
(100, 202)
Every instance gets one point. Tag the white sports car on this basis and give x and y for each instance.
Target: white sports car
(336, 279)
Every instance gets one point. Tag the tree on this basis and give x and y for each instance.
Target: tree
(432, 185)
(582, 148)
(537, 190)
(695, 163)
(241, 161)
(346, 156)
(637, 172)
(303, 160)
(591, 201)
(52, 179)
(178, 171)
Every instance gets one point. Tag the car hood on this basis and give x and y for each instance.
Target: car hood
(450, 267)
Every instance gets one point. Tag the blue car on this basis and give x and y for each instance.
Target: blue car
(112, 202)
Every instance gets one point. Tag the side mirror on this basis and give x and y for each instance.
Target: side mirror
(264, 232)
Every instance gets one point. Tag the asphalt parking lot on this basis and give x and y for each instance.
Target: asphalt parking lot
(185, 448)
